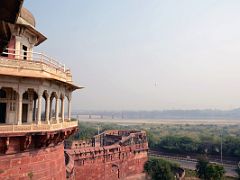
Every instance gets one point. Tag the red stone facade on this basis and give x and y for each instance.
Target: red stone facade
(33, 155)
(104, 168)
(46, 163)
(109, 158)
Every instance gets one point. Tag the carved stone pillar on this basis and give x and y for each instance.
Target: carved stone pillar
(50, 110)
(69, 106)
(20, 99)
(62, 110)
(18, 47)
(57, 110)
(39, 108)
(34, 110)
(47, 109)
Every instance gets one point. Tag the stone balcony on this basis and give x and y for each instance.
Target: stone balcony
(28, 137)
(33, 64)
(31, 128)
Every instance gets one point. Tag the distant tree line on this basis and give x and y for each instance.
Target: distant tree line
(186, 144)
(85, 132)
(167, 114)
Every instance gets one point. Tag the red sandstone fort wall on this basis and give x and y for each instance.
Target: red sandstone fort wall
(112, 155)
(46, 163)
(102, 169)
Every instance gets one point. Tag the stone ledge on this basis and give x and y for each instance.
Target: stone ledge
(15, 142)
(38, 69)
(37, 128)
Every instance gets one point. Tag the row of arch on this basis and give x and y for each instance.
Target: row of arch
(28, 106)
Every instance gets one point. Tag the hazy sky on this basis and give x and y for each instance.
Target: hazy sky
(118, 49)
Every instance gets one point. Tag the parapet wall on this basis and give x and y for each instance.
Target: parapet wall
(46, 163)
(111, 166)
(118, 160)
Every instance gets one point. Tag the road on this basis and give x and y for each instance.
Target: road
(188, 163)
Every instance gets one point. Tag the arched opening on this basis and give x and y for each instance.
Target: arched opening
(44, 106)
(34, 106)
(62, 107)
(25, 107)
(12, 97)
(29, 106)
(8, 105)
(3, 94)
(68, 107)
(53, 106)
(65, 107)
(3, 106)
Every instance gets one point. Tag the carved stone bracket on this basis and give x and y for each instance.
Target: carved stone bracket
(26, 142)
(7, 142)
(30, 141)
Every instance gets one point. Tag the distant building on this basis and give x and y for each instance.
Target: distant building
(32, 85)
(110, 155)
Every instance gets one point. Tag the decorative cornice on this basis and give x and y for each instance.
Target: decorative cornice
(31, 141)
(35, 128)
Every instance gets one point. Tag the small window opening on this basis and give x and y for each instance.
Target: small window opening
(3, 94)
(24, 48)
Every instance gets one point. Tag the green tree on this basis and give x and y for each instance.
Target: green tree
(208, 171)
(215, 172)
(152, 140)
(182, 144)
(201, 167)
(85, 132)
(159, 169)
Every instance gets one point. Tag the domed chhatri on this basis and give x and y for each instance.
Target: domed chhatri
(27, 16)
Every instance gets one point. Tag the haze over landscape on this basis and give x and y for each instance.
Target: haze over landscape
(146, 55)
(130, 89)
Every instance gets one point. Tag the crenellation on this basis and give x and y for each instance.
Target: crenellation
(111, 159)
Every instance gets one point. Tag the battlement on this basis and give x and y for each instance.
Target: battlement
(113, 154)
(111, 138)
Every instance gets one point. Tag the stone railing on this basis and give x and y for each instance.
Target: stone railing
(36, 127)
(33, 56)
(36, 64)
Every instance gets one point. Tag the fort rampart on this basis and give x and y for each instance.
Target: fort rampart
(45, 163)
(108, 156)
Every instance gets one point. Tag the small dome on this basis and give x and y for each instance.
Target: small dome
(27, 16)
